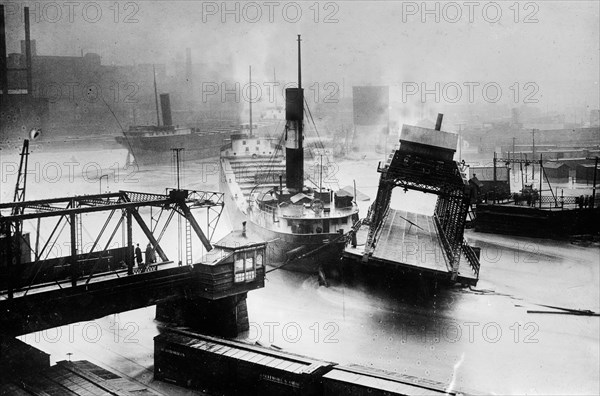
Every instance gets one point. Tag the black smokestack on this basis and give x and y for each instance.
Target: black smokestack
(294, 116)
(165, 106)
(294, 152)
(438, 123)
(3, 69)
(28, 52)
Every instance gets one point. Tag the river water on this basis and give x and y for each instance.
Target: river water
(481, 339)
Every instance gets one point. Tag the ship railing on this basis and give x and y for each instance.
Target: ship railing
(300, 211)
(269, 209)
(263, 214)
(263, 208)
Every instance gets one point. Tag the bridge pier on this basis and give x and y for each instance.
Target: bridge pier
(225, 317)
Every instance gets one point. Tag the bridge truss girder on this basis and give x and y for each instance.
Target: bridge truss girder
(71, 208)
(442, 178)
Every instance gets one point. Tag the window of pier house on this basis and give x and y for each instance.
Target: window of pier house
(245, 263)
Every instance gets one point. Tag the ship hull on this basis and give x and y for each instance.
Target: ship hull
(307, 253)
(157, 150)
(534, 222)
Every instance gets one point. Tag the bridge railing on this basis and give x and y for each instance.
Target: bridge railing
(66, 282)
(547, 201)
(374, 232)
(471, 258)
(447, 249)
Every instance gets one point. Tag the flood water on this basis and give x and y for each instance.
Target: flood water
(480, 340)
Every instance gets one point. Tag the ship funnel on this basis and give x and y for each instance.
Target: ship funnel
(438, 123)
(165, 105)
(28, 53)
(294, 116)
(294, 152)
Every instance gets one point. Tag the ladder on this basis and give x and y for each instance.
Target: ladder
(79, 231)
(188, 242)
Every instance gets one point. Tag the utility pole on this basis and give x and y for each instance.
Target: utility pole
(460, 141)
(526, 168)
(494, 178)
(521, 169)
(101, 182)
(176, 152)
(532, 152)
(594, 185)
(541, 173)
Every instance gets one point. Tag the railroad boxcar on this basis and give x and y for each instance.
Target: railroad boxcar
(230, 367)
(358, 381)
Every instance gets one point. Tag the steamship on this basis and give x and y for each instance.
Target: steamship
(153, 144)
(263, 181)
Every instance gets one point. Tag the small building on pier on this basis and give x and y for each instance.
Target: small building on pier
(557, 172)
(584, 173)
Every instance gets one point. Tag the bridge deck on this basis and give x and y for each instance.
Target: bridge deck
(59, 303)
(409, 242)
(410, 239)
(99, 277)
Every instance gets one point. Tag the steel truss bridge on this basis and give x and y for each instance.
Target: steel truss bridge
(414, 168)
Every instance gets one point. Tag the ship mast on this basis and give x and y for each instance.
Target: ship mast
(299, 64)
(275, 81)
(155, 96)
(294, 115)
(250, 97)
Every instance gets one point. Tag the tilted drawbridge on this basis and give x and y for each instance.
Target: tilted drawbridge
(428, 245)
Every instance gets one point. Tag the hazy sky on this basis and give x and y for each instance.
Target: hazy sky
(384, 42)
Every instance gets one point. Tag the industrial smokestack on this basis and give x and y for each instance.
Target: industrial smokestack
(28, 53)
(3, 68)
(165, 106)
(438, 123)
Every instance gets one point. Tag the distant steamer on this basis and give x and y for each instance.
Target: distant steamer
(152, 144)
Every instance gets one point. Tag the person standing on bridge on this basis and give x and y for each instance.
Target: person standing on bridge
(150, 257)
(138, 255)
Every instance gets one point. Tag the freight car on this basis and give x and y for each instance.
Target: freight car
(227, 367)
(362, 381)
(218, 366)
